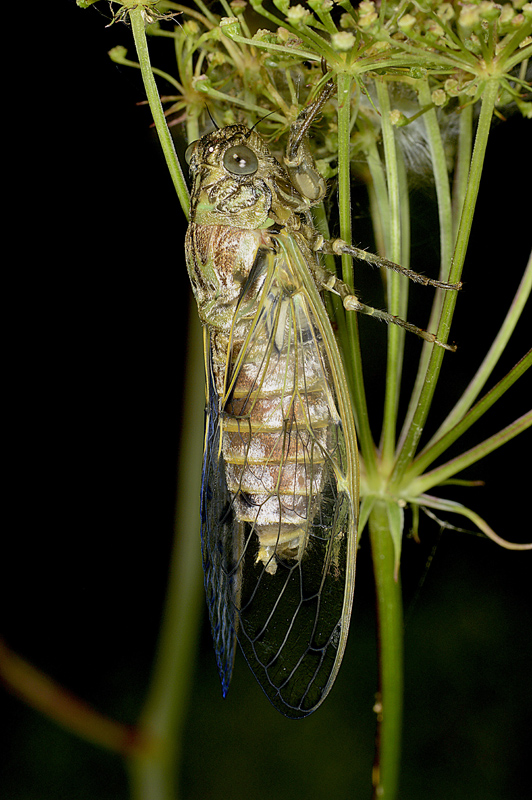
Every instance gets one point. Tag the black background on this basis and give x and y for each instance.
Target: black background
(96, 304)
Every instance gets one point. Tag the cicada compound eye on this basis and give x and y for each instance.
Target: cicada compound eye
(190, 149)
(240, 160)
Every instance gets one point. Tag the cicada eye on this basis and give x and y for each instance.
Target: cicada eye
(190, 150)
(240, 160)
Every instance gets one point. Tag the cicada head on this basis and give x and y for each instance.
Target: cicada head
(238, 182)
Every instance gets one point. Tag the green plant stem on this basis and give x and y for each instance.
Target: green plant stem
(463, 159)
(161, 722)
(44, 694)
(118, 55)
(450, 506)
(438, 446)
(378, 196)
(152, 93)
(489, 98)
(479, 151)
(492, 357)
(354, 360)
(441, 182)
(209, 91)
(436, 476)
(397, 289)
(390, 631)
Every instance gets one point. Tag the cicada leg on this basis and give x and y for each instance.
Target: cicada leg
(299, 160)
(339, 247)
(351, 301)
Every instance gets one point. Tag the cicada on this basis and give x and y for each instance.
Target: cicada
(279, 498)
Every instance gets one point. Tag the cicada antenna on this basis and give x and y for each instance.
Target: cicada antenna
(207, 109)
(261, 120)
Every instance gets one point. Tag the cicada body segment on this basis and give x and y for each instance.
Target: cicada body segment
(280, 493)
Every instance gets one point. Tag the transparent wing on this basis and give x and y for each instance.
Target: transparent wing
(280, 495)
(221, 538)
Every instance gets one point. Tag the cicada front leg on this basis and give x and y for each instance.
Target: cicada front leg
(299, 160)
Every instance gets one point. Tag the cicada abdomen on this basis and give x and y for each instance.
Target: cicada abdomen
(279, 496)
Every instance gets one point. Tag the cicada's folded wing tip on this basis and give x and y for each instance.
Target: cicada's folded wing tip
(225, 648)
(225, 679)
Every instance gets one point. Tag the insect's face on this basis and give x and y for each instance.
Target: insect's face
(237, 181)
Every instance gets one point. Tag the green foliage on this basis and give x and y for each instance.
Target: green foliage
(247, 72)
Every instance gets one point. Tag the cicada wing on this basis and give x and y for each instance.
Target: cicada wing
(290, 477)
(294, 624)
(221, 537)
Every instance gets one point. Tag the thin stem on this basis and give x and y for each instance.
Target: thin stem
(492, 357)
(463, 159)
(344, 206)
(396, 300)
(213, 20)
(426, 501)
(118, 55)
(441, 181)
(44, 694)
(475, 173)
(378, 197)
(333, 302)
(430, 453)
(390, 622)
(314, 42)
(152, 93)
(450, 468)
(464, 231)
(209, 91)
(162, 719)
